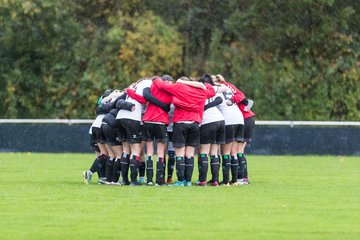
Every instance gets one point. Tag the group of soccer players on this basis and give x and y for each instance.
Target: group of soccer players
(209, 116)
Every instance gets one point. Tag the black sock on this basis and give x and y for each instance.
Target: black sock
(164, 170)
(243, 166)
(203, 167)
(134, 167)
(239, 155)
(124, 161)
(142, 169)
(215, 166)
(95, 166)
(149, 169)
(116, 170)
(171, 163)
(189, 168)
(102, 165)
(180, 168)
(226, 168)
(234, 168)
(109, 169)
(160, 170)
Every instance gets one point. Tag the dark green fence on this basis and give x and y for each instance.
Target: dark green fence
(267, 139)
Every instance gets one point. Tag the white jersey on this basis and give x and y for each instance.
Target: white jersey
(212, 114)
(136, 114)
(232, 114)
(97, 122)
(171, 114)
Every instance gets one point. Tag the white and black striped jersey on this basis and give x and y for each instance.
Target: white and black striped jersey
(232, 114)
(137, 113)
(212, 114)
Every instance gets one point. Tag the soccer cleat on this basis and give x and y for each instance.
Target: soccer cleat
(243, 181)
(178, 184)
(234, 184)
(102, 181)
(214, 184)
(116, 183)
(150, 184)
(125, 183)
(141, 180)
(225, 184)
(188, 183)
(160, 184)
(202, 184)
(134, 183)
(87, 175)
(108, 183)
(169, 181)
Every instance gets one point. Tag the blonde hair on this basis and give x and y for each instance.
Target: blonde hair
(220, 78)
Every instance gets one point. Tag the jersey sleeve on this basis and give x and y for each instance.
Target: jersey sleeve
(210, 92)
(238, 95)
(134, 95)
(167, 87)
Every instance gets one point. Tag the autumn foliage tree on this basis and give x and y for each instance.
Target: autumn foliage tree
(299, 60)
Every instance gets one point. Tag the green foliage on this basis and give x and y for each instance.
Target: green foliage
(150, 47)
(299, 60)
(37, 57)
(299, 66)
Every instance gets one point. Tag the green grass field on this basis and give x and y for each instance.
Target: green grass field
(42, 196)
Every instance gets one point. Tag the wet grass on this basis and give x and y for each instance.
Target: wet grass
(42, 196)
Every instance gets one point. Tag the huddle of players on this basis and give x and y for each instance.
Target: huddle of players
(206, 114)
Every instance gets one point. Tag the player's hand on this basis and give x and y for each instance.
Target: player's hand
(133, 108)
(246, 109)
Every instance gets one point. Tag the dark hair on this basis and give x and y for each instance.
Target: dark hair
(206, 78)
(107, 92)
(167, 78)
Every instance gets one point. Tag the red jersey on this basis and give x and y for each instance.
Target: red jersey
(237, 98)
(154, 113)
(135, 96)
(187, 96)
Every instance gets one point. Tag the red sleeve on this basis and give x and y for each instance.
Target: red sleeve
(238, 95)
(135, 96)
(168, 87)
(210, 90)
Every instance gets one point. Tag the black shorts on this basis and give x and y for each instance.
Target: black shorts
(110, 135)
(96, 134)
(129, 130)
(234, 133)
(155, 132)
(170, 136)
(186, 134)
(249, 128)
(213, 133)
(93, 143)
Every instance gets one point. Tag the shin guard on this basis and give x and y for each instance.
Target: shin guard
(180, 168)
(189, 168)
(215, 167)
(203, 167)
(226, 168)
(234, 168)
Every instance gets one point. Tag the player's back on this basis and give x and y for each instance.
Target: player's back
(136, 114)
